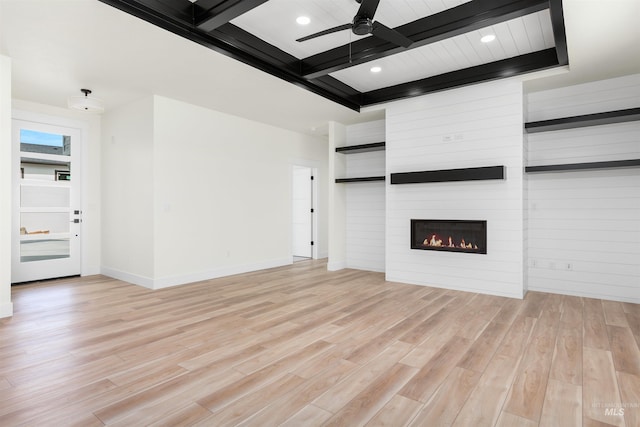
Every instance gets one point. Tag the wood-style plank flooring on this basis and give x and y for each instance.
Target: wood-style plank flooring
(301, 346)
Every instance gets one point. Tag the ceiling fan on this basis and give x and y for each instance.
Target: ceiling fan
(363, 24)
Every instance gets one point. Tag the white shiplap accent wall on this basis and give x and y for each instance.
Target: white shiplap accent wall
(365, 201)
(480, 125)
(584, 227)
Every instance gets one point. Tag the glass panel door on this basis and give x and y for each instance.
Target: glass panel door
(47, 220)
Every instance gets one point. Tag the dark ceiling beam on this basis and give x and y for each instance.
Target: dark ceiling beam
(211, 14)
(175, 23)
(510, 67)
(175, 10)
(461, 19)
(559, 33)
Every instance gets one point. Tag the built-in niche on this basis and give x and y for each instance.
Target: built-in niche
(449, 235)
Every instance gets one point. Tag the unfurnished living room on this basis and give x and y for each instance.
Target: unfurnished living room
(320, 213)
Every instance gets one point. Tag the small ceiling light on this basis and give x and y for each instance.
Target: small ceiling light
(303, 20)
(85, 103)
(488, 38)
(376, 69)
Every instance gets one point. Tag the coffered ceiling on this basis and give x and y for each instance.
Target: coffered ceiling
(445, 48)
(57, 47)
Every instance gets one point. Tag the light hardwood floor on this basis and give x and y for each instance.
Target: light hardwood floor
(300, 346)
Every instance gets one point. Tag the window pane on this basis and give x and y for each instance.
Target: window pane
(33, 196)
(32, 141)
(39, 250)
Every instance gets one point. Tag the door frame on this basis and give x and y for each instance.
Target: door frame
(83, 128)
(314, 203)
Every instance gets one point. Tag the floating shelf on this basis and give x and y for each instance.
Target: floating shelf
(584, 166)
(606, 118)
(363, 179)
(362, 148)
(447, 175)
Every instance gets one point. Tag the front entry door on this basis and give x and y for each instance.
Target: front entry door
(47, 218)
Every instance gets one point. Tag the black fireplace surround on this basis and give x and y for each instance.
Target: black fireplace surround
(449, 235)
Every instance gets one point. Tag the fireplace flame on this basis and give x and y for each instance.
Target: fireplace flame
(435, 241)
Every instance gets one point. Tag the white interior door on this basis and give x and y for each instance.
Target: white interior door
(302, 214)
(47, 217)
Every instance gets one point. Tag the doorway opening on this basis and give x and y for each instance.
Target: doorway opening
(303, 213)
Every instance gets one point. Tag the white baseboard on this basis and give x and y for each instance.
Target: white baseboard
(586, 294)
(515, 294)
(6, 309)
(166, 282)
(366, 268)
(90, 271)
(135, 279)
(336, 265)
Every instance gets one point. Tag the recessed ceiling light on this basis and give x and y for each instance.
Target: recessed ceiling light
(488, 38)
(376, 69)
(303, 20)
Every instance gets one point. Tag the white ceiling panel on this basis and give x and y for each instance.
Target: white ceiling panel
(275, 21)
(519, 36)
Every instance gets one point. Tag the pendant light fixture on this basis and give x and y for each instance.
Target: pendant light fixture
(85, 103)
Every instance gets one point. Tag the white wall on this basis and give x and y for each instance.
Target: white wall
(191, 194)
(127, 193)
(479, 125)
(584, 227)
(6, 307)
(223, 192)
(337, 199)
(365, 201)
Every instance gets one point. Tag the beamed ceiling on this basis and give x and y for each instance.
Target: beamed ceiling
(445, 49)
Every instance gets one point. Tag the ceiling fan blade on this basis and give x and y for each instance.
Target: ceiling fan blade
(389, 34)
(367, 8)
(322, 33)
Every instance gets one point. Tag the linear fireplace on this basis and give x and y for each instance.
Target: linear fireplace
(449, 235)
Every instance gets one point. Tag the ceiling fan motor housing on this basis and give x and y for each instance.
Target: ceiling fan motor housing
(362, 26)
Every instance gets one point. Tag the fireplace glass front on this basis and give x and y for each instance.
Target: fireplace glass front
(449, 235)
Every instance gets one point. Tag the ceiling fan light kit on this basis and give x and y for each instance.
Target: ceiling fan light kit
(85, 103)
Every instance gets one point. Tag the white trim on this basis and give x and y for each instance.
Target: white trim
(166, 282)
(584, 294)
(46, 119)
(518, 294)
(366, 268)
(135, 279)
(83, 127)
(313, 165)
(6, 309)
(336, 265)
